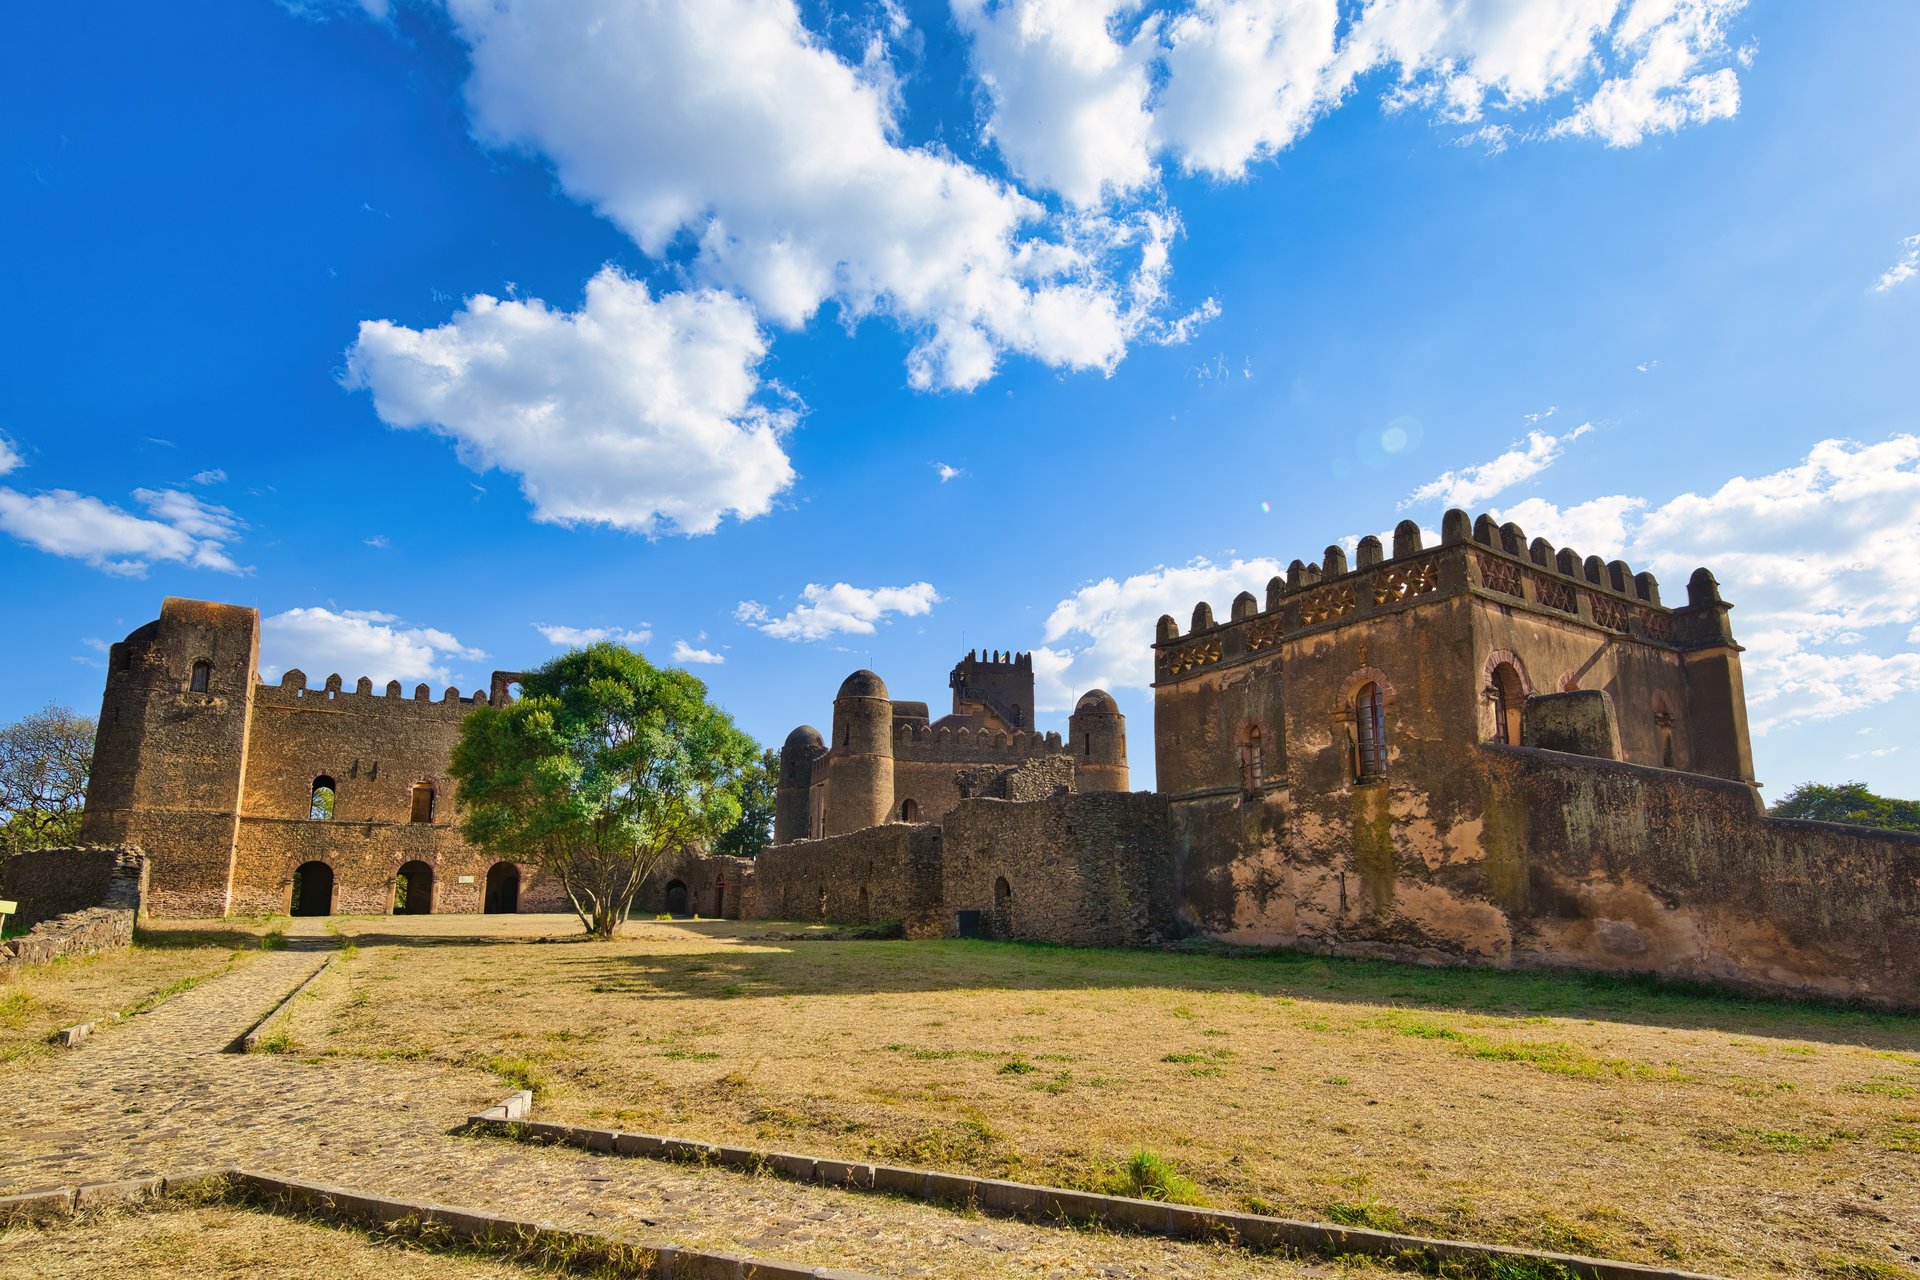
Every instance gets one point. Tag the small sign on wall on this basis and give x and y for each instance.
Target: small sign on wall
(466, 879)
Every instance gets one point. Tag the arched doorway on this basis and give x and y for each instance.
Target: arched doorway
(413, 890)
(866, 906)
(720, 902)
(312, 890)
(503, 889)
(1002, 908)
(676, 898)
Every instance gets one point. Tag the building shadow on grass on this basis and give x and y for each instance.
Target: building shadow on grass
(779, 966)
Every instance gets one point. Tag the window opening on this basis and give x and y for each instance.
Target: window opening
(321, 802)
(1370, 733)
(202, 676)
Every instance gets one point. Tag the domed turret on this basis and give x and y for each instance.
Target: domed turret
(790, 797)
(1097, 737)
(862, 684)
(860, 777)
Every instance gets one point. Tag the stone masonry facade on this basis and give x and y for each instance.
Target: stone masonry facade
(1490, 751)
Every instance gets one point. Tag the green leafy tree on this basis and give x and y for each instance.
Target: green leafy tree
(604, 766)
(747, 837)
(1848, 802)
(45, 758)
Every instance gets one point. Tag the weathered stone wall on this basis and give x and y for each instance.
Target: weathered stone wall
(79, 901)
(52, 882)
(1086, 870)
(889, 872)
(168, 757)
(1525, 858)
(716, 888)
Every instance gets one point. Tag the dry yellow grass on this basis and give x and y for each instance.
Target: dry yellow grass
(198, 1242)
(37, 1000)
(1583, 1114)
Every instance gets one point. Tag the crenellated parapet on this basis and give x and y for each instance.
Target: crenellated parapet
(293, 692)
(947, 743)
(1480, 557)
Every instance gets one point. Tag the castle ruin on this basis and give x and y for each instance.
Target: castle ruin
(1489, 751)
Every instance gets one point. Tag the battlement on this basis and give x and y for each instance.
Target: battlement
(998, 682)
(293, 691)
(917, 741)
(1475, 557)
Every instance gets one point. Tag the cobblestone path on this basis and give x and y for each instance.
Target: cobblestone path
(157, 1094)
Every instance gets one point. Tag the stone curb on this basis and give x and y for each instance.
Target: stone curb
(1055, 1205)
(247, 1040)
(273, 1194)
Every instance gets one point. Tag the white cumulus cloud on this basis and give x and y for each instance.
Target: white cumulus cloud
(1899, 273)
(841, 609)
(182, 529)
(629, 412)
(685, 653)
(10, 459)
(1467, 487)
(1102, 635)
(1811, 556)
(1246, 78)
(1069, 100)
(728, 125)
(565, 637)
(352, 643)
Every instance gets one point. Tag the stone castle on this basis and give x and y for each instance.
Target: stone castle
(1489, 751)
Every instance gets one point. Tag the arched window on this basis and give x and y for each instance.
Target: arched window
(320, 806)
(909, 811)
(1369, 733)
(1002, 908)
(423, 797)
(202, 677)
(1509, 704)
(1663, 726)
(1253, 761)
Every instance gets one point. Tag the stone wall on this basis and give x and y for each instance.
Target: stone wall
(79, 901)
(1088, 870)
(1535, 859)
(716, 888)
(889, 872)
(1092, 869)
(53, 882)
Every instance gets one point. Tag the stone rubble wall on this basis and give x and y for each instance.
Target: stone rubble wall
(78, 901)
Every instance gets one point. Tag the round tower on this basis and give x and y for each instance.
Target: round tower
(860, 778)
(1097, 737)
(790, 795)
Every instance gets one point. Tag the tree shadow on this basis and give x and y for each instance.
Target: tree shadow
(777, 965)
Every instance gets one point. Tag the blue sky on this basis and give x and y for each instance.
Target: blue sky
(445, 333)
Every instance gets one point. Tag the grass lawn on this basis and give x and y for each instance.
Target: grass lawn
(194, 1243)
(37, 1000)
(1577, 1113)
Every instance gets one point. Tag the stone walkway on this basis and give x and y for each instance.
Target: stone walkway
(158, 1094)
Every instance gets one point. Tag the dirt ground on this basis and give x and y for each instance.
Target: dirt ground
(1577, 1113)
(38, 1000)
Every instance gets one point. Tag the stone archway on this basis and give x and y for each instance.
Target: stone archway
(1002, 909)
(312, 892)
(413, 890)
(503, 889)
(677, 898)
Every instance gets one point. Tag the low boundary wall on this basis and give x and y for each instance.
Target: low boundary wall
(79, 901)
